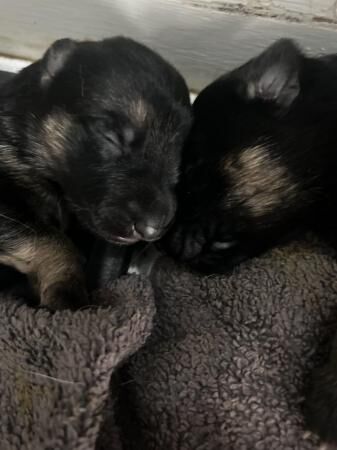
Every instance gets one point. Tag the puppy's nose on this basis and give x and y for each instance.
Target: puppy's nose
(148, 231)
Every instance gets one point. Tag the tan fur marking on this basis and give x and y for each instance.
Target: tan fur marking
(49, 261)
(16, 167)
(258, 181)
(138, 110)
(8, 158)
(54, 136)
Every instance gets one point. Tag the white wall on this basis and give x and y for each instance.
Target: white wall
(304, 11)
(199, 37)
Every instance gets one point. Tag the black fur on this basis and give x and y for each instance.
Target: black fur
(91, 134)
(261, 159)
(260, 166)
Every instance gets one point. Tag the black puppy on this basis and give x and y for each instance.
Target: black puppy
(259, 166)
(90, 134)
(261, 159)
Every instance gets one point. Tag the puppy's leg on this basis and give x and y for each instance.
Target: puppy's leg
(49, 260)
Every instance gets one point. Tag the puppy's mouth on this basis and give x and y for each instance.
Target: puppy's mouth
(135, 236)
(131, 234)
(113, 237)
(123, 240)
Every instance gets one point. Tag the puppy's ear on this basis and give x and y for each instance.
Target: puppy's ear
(273, 76)
(55, 58)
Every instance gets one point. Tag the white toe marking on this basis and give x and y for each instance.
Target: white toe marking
(133, 270)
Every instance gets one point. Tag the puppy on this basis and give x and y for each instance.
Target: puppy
(90, 135)
(260, 166)
(260, 162)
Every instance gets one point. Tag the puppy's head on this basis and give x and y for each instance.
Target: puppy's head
(113, 118)
(243, 169)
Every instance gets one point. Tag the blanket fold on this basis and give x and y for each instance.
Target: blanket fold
(56, 368)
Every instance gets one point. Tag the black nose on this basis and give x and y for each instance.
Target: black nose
(148, 230)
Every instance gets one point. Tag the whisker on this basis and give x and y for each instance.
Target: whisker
(18, 222)
(41, 375)
(49, 377)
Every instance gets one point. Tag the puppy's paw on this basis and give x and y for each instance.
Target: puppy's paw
(70, 294)
(184, 243)
(321, 404)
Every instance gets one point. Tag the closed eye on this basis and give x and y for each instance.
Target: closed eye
(111, 137)
(105, 129)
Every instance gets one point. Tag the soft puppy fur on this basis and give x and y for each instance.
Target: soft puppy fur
(91, 134)
(261, 158)
(260, 166)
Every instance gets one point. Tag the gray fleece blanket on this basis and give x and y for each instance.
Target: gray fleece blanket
(224, 364)
(56, 384)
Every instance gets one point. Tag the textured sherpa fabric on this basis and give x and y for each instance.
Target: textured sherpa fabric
(229, 356)
(56, 368)
(225, 366)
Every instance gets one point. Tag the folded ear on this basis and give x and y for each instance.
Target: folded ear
(273, 76)
(55, 58)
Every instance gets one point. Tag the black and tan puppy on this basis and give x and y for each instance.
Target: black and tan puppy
(261, 165)
(91, 133)
(261, 159)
